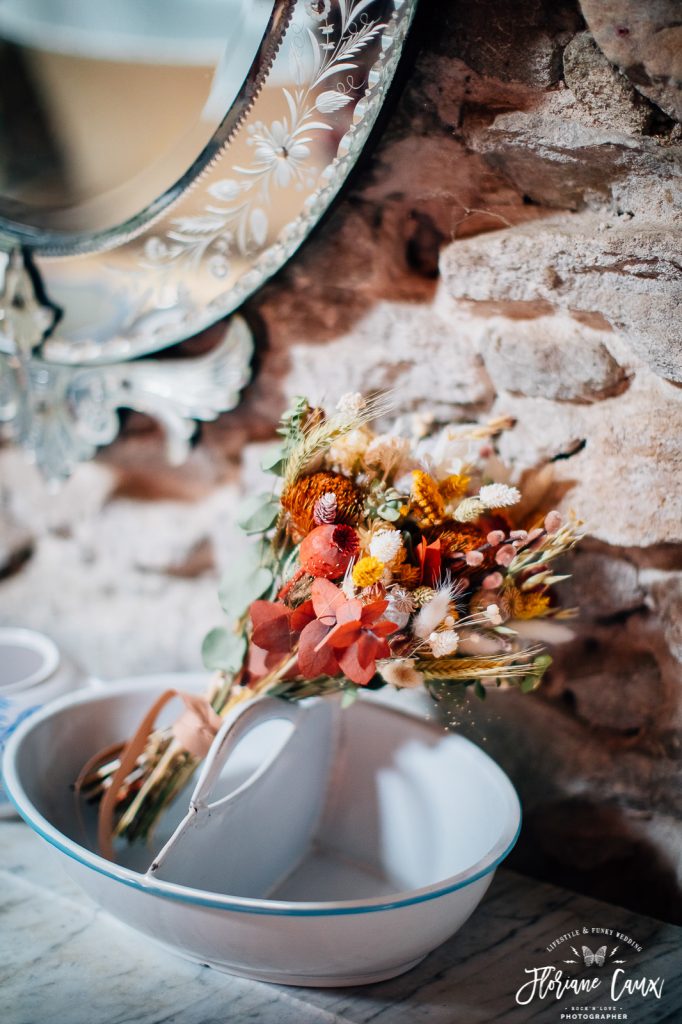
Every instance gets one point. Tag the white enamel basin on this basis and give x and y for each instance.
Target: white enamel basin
(338, 848)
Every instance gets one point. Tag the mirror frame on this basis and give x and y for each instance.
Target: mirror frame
(166, 274)
(45, 242)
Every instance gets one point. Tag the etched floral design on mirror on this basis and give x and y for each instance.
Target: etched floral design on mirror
(130, 258)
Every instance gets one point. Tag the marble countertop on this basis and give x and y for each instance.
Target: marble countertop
(64, 961)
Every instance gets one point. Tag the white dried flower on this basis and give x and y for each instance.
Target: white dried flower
(325, 509)
(431, 615)
(499, 495)
(469, 510)
(347, 586)
(421, 424)
(401, 672)
(351, 403)
(444, 643)
(349, 449)
(400, 606)
(387, 452)
(446, 453)
(387, 546)
(492, 613)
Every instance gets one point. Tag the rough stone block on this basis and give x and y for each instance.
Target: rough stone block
(628, 273)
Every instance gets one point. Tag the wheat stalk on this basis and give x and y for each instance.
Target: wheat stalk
(318, 438)
(505, 666)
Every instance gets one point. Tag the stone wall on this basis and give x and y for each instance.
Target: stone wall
(511, 246)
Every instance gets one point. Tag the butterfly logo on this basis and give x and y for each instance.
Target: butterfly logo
(596, 959)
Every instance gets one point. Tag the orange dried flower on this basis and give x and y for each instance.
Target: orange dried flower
(530, 604)
(454, 487)
(427, 500)
(407, 575)
(300, 499)
(458, 538)
(482, 599)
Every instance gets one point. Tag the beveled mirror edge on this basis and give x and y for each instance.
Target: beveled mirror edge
(60, 244)
(121, 346)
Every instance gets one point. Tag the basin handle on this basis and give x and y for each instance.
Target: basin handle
(240, 721)
(238, 724)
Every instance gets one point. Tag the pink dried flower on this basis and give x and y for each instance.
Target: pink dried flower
(505, 555)
(474, 558)
(495, 537)
(518, 535)
(325, 509)
(493, 581)
(553, 521)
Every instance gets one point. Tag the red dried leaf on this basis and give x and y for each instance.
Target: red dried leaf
(327, 599)
(349, 663)
(430, 558)
(371, 613)
(350, 611)
(256, 662)
(366, 646)
(313, 659)
(271, 629)
(384, 628)
(343, 634)
(301, 616)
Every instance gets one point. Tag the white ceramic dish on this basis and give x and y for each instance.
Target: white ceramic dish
(33, 671)
(338, 849)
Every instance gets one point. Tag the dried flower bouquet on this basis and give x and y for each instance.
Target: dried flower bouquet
(380, 558)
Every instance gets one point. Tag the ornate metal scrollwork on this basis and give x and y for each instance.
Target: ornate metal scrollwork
(61, 414)
(194, 254)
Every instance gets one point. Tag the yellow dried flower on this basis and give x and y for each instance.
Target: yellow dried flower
(426, 499)
(530, 604)
(454, 486)
(299, 499)
(367, 571)
(422, 596)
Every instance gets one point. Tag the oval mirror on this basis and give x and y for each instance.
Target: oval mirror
(159, 160)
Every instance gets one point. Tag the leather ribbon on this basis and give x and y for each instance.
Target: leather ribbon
(194, 731)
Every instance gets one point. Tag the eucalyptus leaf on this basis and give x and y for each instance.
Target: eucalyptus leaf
(529, 683)
(223, 650)
(388, 513)
(239, 588)
(260, 515)
(274, 461)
